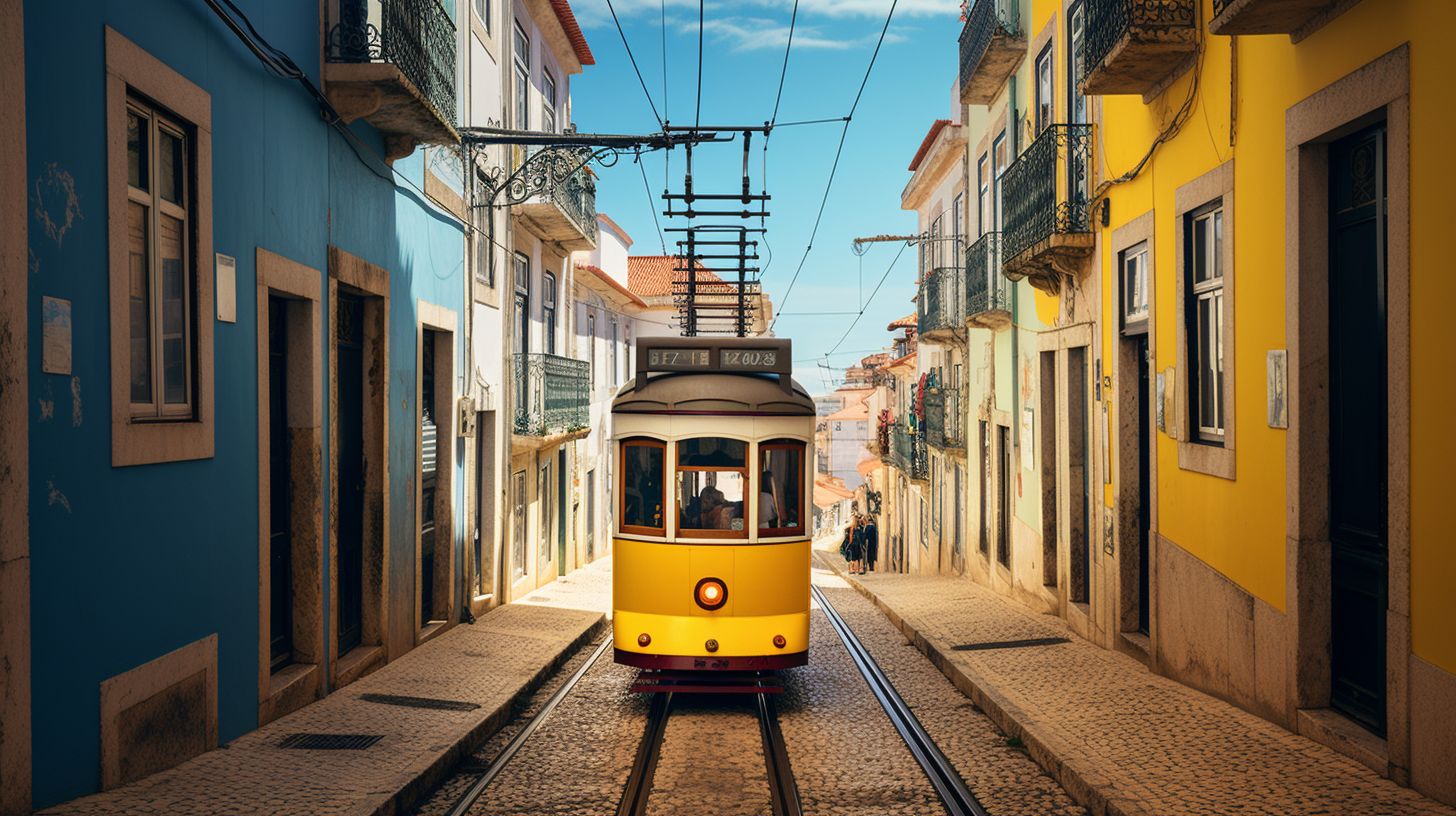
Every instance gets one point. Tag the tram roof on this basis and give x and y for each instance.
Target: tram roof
(712, 393)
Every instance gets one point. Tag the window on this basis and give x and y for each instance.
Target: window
(546, 500)
(1002, 158)
(1133, 262)
(1076, 38)
(781, 488)
(548, 102)
(643, 477)
(160, 264)
(521, 342)
(518, 524)
(615, 381)
(712, 476)
(548, 311)
(957, 211)
(983, 195)
(627, 349)
(1045, 90)
(480, 222)
(482, 13)
(591, 346)
(1203, 230)
(522, 85)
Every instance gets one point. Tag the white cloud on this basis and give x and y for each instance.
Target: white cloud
(593, 13)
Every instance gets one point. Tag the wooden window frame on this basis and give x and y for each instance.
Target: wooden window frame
(133, 74)
(764, 448)
(1209, 289)
(548, 312)
(521, 76)
(634, 529)
(1044, 109)
(678, 469)
(1135, 323)
(548, 102)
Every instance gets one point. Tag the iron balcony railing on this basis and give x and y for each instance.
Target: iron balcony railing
(986, 288)
(577, 196)
(986, 19)
(943, 418)
(553, 394)
(1109, 21)
(942, 300)
(1047, 188)
(415, 36)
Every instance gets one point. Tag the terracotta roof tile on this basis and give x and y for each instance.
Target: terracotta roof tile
(653, 275)
(935, 129)
(568, 22)
(612, 282)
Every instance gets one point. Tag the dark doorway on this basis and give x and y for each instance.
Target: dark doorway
(1145, 482)
(485, 475)
(561, 511)
(428, 468)
(1003, 490)
(280, 492)
(1079, 476)
(1358, 428)
(984, 541)
(349, 345)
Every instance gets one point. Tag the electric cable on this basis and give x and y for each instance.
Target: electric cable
(650, 206)
(698, 116)
(871, 299)
(783, 74)
(637, 70)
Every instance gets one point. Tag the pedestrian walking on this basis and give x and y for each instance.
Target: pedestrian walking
(856, 546)
(844, 544)
(871, 542)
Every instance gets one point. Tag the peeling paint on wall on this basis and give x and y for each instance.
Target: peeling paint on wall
(55, 497)
(56, 205)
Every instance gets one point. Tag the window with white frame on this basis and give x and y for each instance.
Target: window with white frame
(615, 340)
(522, 85)
(482, 13)
(957, 227)
(548, 102)
(160, 264)
(1001, 155)
(983, 193)
(1045, 90)
(480, 223)
(1203, 235)
(1133, 262)
(591, 345)
(548, 311)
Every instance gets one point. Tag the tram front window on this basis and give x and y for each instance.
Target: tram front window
(712, 483)
(643, 463)
(781, 487)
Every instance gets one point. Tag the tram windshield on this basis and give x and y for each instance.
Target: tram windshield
(712, 479)
(781, 487)
(643, 496)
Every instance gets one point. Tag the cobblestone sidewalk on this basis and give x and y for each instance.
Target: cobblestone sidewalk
(1119, 738)
(502, 657)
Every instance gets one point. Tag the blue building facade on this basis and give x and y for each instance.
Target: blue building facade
(227, 293)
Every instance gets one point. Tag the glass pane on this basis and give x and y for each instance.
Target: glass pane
(642, 493)
(138, 165)
(170, 173)
(174, 311)
(1217, 331)
(1216, 248)
(780, 488)
(1206, 394)
(139, 286)
(711, 500)
(709, 451)
(1200, 249)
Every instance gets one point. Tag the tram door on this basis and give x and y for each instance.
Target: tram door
(349, 346)
(1358, 428)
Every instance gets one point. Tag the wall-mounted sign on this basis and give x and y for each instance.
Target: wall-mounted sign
(55, 353)
(1278, 387)
(227, 288)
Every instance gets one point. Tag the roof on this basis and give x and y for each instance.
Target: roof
(875, 360)
(906, 322)
(827, 494)
(935, 130)
(908, 359)
(653, 275)
(615, 227)
(856, 411)
(867, 466)
(569, 25)
(602, 275)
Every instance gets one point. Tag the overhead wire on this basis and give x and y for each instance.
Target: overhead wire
(870, 300)
(650, 206)
(784, 72)
(698, 116)
(638, 71)
(838, 152)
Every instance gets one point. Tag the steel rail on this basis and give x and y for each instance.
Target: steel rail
(957, 798)
(639, 780)
(782, 787)
(471, 794)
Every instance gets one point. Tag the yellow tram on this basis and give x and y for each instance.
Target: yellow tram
(714, 450)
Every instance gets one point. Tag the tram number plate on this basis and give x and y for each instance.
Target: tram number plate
(677, 358)
(751, 359)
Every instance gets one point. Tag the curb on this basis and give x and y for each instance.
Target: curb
(1086, 786)
(414, 791)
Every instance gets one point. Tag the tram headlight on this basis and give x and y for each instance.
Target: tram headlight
(644, 640)
(711, 593)
(780, 642)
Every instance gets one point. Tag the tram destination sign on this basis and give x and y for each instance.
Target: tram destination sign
(760, 355)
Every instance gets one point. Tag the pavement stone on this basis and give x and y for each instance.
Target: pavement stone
(1120, 739)
(493, 663)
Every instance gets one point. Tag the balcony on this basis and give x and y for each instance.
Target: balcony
(392, 63)
(940, 317)
(943, 426)
(1047, 231)
(553, 396)
(991, 47)
(884, 428)
(1133, 46)
(988, 292)
(565, 209)
(1267, 16)
(909, 454)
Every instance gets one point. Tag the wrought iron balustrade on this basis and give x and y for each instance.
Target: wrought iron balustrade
(919, 456)
(942, 300)
(1157, 23)
(987, 22)
(416, 36)
(986, 288)
(553, 394)
(943, 418)
(1046, 190)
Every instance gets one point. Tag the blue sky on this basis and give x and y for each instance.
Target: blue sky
(742, 58)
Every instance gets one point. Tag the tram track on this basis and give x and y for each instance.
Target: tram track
(956, 797)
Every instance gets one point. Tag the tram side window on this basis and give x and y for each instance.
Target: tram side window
(712, 483)
(781, 487)
(643, 463)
